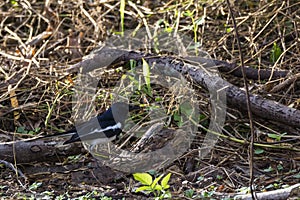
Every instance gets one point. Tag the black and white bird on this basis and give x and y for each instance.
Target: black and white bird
(102, 128)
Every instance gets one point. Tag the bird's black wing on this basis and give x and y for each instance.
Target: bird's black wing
(95, 129)
(101, 126)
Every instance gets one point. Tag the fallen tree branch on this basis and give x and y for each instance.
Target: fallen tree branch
(37, 150)
(285, 193)
(236, 98)
(251, 73)
(285, 83)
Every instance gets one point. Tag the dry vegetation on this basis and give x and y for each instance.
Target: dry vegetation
(40, 39)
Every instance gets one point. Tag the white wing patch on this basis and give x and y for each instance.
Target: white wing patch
(95, 131)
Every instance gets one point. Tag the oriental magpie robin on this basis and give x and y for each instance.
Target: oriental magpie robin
(102, 128)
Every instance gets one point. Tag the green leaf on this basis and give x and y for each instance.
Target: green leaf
(186, 109)
(35, 185)
(157, 187)
(219, 177)
(189, 193)
(200, 178)
(200, 21)
(169, 29)
(31, 132)
(228, 30)
(297, 176)
(144, 178)
(259, 151)
(132, 79)
(158, 99)
(270, 169)
(269, 186)
(275, 53)
(21, 129)
(276, 136)
(156, 181)
(132, 64)
(152, 172)
(144, 188)
(165, 180)
(14, 3)
(146, 73)
(188, 13)
(178, 118)
(167, 195)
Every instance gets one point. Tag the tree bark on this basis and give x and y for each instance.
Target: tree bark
(37, 150)
(292, 191)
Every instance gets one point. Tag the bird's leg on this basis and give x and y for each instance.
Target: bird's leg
(108, 147)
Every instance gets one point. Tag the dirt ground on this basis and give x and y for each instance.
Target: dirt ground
(40, 40)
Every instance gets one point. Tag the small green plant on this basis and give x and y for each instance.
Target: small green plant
(259, 151)
(228, 28)
(195, 25)
(35, 185)
(75, 158)
(122, 11)
(269, 169)
(199, 179)
(185, 110)
(219, 177)
(190, 14)
(276, 136)
(279, 167)
(21, 129)
(189, 193)
(160, 191)
(14, 3)
(178, 119)
(243, 190)
(275, 53)
(146, 73)
(273, 185)
(297, 175)
(207, 194)
(142, 87)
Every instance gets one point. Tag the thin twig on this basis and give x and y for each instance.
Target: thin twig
(251, 147)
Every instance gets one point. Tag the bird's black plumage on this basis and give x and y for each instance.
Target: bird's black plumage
(104, 127)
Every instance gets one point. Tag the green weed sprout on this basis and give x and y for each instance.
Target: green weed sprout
(160, 191)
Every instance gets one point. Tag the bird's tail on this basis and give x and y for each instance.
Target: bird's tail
(63, 134)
